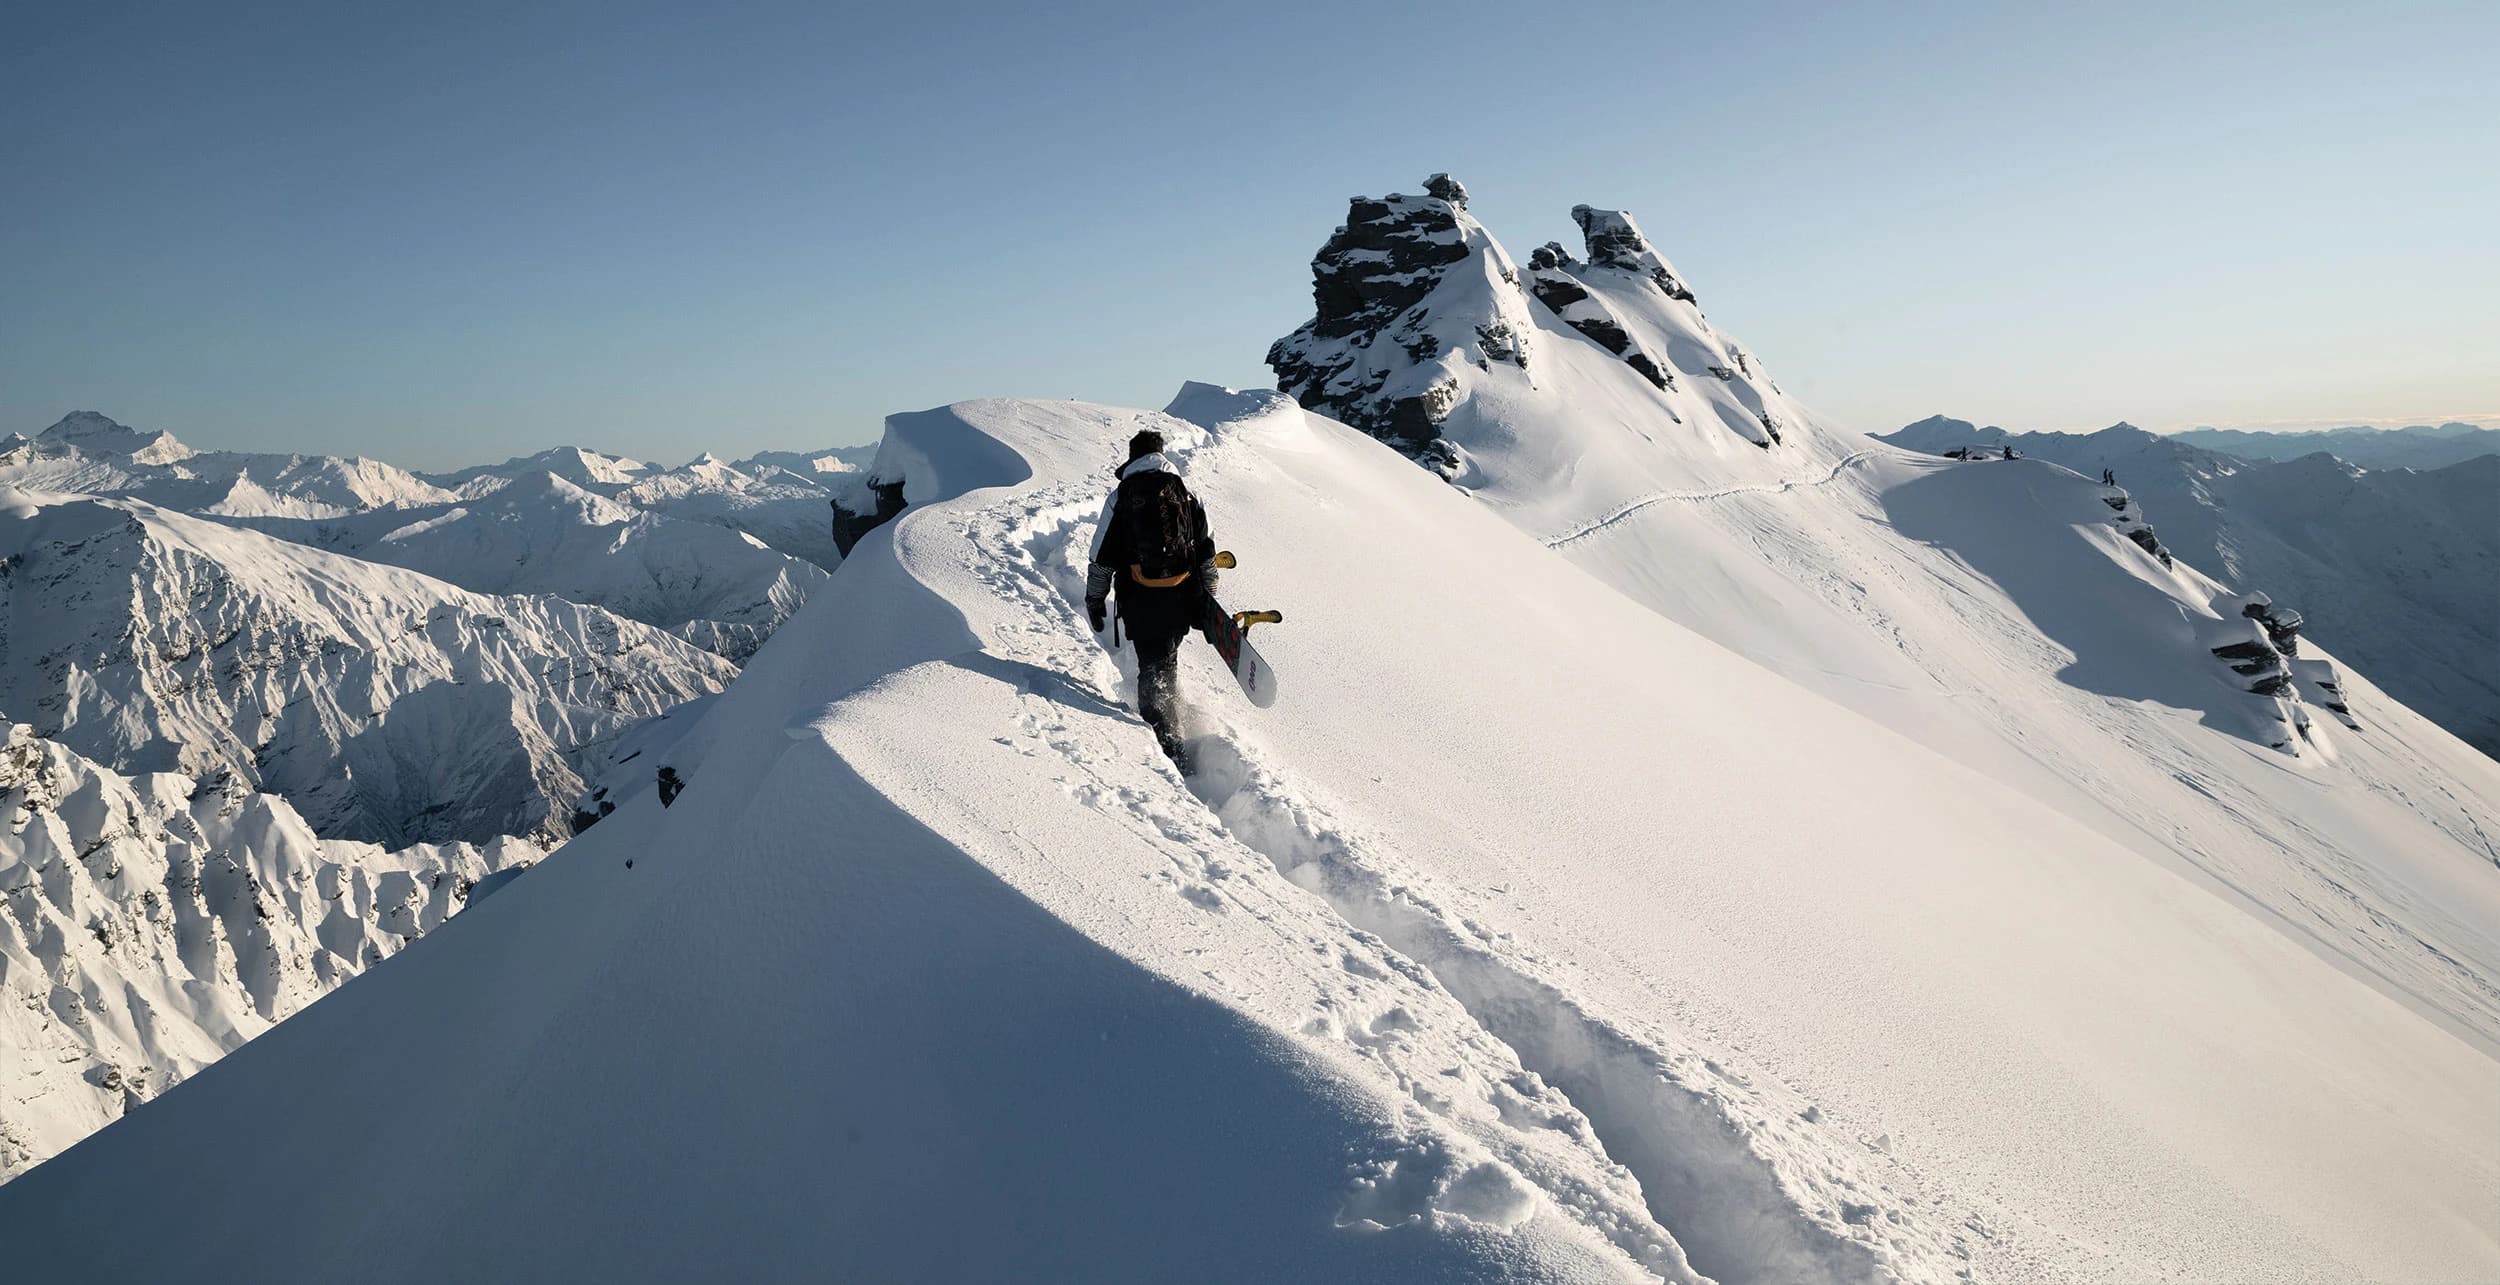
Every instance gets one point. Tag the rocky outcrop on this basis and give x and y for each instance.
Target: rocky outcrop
(2311, 679)
(1408, 289)
(2262, 648)
(2130, 522)
(882, 502)
(1550, 276)
(1615, 241)
(1416, 310)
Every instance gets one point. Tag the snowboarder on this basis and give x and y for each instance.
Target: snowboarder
(2109, 478)
(1153, 543)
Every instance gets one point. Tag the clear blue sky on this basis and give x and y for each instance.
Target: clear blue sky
(449, 232)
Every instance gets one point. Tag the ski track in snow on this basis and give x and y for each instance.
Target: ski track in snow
(1631, 507)
(1684, 1125)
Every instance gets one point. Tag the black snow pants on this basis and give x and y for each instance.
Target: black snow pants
(1157, 620)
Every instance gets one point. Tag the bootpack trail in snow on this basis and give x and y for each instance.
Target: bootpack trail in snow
(1664, 1115)
(1579, 533)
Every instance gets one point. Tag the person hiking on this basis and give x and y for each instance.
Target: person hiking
(1152, 543)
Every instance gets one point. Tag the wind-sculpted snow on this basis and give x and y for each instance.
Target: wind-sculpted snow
(151, 924)
(384, 705)
(1528, 936)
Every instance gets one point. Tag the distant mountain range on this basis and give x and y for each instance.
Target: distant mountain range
(2393, 567)
(2421, 446)
(268, 717)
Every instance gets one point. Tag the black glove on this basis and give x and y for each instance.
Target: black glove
(1095, 612)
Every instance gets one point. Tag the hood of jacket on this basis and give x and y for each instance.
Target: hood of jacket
(1157, 462)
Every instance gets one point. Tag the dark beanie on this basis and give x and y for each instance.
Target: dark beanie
(1146, 443)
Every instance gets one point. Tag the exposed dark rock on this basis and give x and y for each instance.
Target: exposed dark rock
(670, 785)
(2251, 657)
(1366, 281)
(2282, 624)
(1615, 240)
(848, 527)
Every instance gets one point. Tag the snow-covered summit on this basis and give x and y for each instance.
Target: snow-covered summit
(90, 454)
(1427, 335)
(97, 434)
(1409, 291)
(574, 464)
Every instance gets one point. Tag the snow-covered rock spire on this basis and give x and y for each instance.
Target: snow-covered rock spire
(1616, 241)
(1407, 292)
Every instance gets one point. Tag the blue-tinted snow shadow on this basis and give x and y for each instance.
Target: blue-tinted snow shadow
(2013, 522)
(837, 1049)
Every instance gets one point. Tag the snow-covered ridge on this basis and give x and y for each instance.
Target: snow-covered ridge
(1757, 992)
(383, 704)
(2392, 568)
(151, 924)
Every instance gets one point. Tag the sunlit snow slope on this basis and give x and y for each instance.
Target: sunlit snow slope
(1998, 612)
(1529, 936)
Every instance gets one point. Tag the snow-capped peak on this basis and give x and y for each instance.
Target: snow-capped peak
(97, 434)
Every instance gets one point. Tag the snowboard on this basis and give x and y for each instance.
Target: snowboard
(1229, 632)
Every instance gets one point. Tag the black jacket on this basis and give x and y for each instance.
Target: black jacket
(1148, 609)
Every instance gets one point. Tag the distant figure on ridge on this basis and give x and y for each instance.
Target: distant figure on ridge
(1152, 540)
(2109, 478)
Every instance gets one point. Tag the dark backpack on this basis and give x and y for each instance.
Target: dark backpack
(1155, 513)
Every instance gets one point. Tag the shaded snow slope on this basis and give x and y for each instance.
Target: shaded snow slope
(385, 705)
(149, 925)
(2392, 568)
(1755, 991)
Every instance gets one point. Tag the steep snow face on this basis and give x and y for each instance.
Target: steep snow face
(2392, 568)
(154, 923)
(385, 705)
(1756, 991)
(720, 589)
(90, 454)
